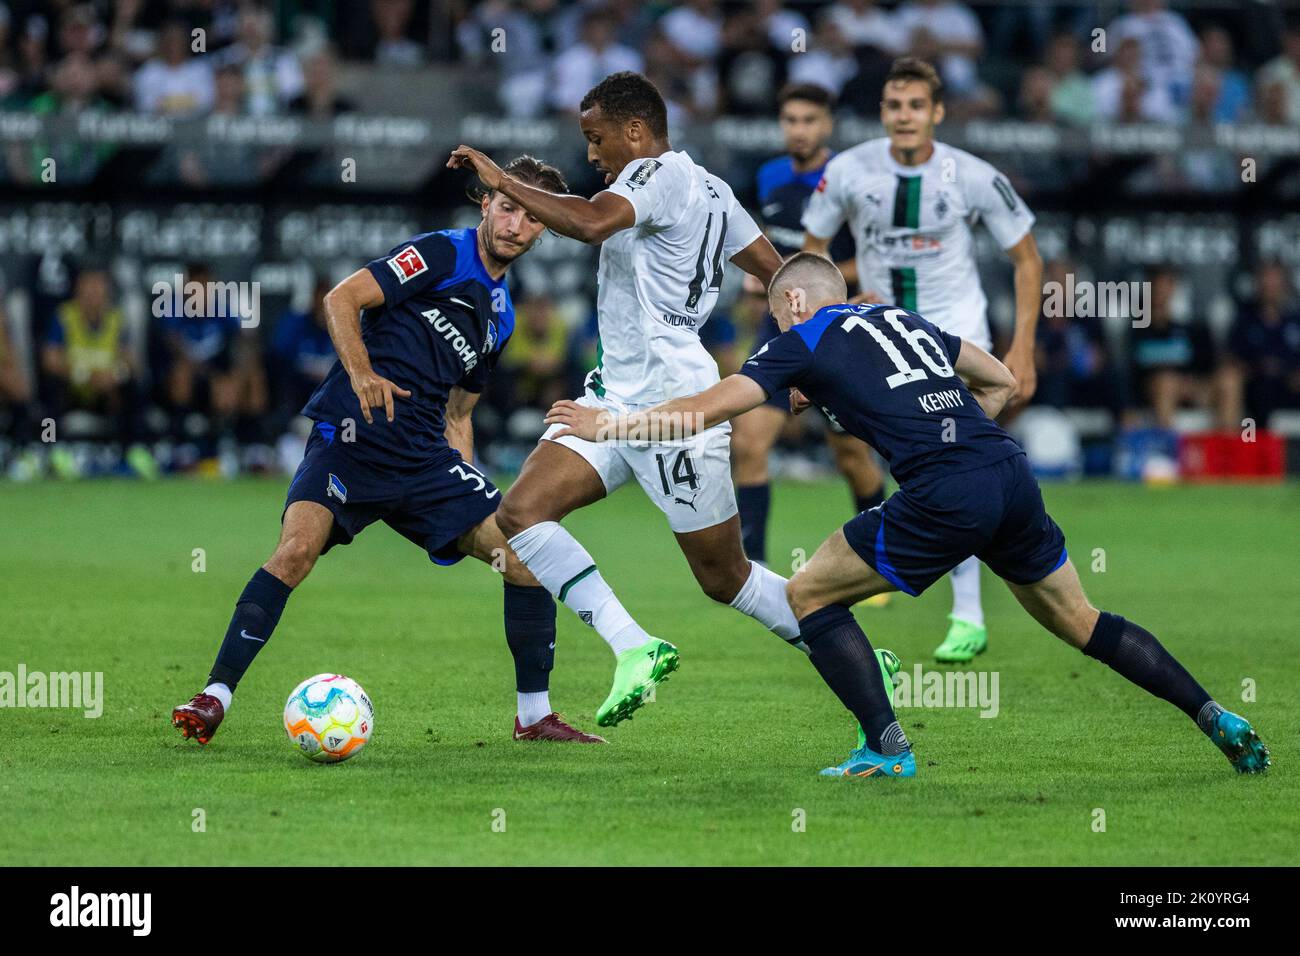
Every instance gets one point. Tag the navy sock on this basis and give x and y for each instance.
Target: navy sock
(867, 502)
(754, 502)
(257, 612)
(847, 663)
(1134, 653)
(530, 632)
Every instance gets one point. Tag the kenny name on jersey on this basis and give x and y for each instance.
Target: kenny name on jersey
(912, 227)
(659, 280)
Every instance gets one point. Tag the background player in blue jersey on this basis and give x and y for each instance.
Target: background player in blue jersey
(926, 400)
(417, 332)
(784, 187)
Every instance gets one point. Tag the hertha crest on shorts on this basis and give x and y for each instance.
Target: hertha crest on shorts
(336, 489)
(407, 264)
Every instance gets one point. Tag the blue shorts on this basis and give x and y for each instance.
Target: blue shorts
(926, 529)
(432, 507)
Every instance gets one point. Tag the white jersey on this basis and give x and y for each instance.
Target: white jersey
(659, 280)
(912, 228)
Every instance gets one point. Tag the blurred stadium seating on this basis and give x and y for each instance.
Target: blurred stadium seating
(285, 144)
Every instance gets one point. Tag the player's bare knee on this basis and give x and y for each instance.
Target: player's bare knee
(517, 573)
(293, 560)
(748, 462)
(802, 601)
(722, 582)
(514, 515)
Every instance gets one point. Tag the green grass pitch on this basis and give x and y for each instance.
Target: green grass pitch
(720, 770)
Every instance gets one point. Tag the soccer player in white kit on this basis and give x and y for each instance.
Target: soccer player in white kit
(667, 227)
(911, 203)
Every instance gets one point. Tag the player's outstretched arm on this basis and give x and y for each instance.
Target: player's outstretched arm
(760, 259)
(671, 421)
(989, 380)
(343, 305)
(1028, 265)
(587, 220)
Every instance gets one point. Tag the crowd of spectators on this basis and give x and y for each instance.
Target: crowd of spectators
(194, 390)
(181, 391)
(1065, 62)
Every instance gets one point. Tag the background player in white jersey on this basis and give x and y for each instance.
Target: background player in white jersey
(785, 185)
(911, 202)
(667, 227)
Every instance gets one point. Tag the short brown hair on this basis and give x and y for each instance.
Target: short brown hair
(806, 93)
(528, 170)
(531, 170)
(908, 68)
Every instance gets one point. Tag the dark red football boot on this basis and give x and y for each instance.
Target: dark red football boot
(553, 727)
(200, 718)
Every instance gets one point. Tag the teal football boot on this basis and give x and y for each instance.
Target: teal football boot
(1240, 744)
(862, 762)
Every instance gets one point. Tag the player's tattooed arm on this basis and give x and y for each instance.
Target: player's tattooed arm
(760, 259)
(459, 428)
(343, 305)
(588, 220)
(1029, 287)
(670, 421)
(989, 381)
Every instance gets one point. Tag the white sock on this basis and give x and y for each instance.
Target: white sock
(533, 706)
(966, 592)
(566, 570)
(221, 692)
(762, 597)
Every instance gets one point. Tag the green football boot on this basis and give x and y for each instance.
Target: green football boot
(889, 666)
(963, 642)
(637, 672)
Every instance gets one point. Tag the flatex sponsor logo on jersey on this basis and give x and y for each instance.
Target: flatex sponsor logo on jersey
(643, 173)
(453, 337)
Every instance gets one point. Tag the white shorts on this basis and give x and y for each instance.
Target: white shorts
(689, 481)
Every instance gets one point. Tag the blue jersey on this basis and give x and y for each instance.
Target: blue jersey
(783, 195)
(444, 323)
(886, 375)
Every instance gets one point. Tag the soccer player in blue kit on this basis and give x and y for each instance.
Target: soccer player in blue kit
(417, 332)
(925, 400)
(784, 187)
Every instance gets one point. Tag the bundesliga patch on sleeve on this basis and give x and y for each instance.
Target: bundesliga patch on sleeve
(643, 173)
(408, 264)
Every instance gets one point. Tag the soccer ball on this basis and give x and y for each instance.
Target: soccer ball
(329, 718)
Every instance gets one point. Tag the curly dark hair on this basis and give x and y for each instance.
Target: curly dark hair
(627, 96)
